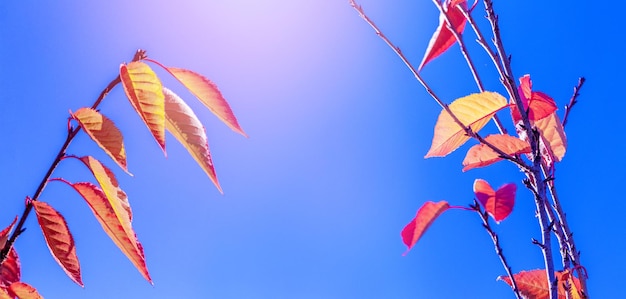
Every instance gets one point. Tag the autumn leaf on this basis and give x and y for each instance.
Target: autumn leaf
(144, 90)
(4, 294)
(206, 91)
(425, 216)
(481, 155)
(10, 269)
(443, 38)
(474, 110)
(59, 239)
(534, 283)
(538, 104)
(115, 219)
(499, 204)
(104, 132)
(185, 126)
(4, 234)
(553, 139)
(24, 291)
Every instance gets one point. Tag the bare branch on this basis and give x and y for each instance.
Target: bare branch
(573, 100)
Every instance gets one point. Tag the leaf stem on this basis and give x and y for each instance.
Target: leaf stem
(140, 54)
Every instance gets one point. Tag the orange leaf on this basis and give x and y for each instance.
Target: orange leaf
(534, 283)
(4, 294)
(499, 204)
(206, 91)
(481, 155)
(4, 234)
(474, 110)
(114, 216)
(104, 132)
(185, 126)
(24, 291)
(425, 216)
(144, 90)
(538, 104)
(553, 138)
(59, 239)
(443, 38)
(10, 269)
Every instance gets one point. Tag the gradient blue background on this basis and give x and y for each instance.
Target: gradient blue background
(315, 199)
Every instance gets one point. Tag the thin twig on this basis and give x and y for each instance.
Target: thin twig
(467, 129)
(459, 38)
(496, 242)
(140, 54)
(574, 99)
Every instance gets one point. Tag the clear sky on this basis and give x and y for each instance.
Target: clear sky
(316, 197)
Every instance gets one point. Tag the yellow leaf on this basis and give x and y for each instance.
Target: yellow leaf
(185, 126)
(474, 110)
(111, 207)
(144, 90)
(552, 137)
(104, 132)
(481, 155)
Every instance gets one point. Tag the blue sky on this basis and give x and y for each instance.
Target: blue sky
(333, 169)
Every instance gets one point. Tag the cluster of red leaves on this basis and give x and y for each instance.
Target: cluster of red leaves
(161, 110)
(473, 112)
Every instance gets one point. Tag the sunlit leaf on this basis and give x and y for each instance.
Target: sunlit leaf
(185, 126)
(24, 291)
(499, 204)
(4, 293)
(538, 104)
(104, 132)
(207, 92)
(115, 220)
(534, 283)
(553, 137)
(59, 239)
(108, 183)
(481, 155)
(443, 38)
(425, 216)
(10, 269)
(145, 92)
(4, 234)
(474, 110)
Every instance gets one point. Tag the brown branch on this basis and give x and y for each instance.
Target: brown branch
(496, 242)
(140, 54)
(573, 100)
(535, 174)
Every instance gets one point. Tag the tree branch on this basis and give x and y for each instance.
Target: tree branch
(140, 54)
(573, 100)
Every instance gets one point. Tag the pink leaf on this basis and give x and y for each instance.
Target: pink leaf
(499, 204)
(425, 216)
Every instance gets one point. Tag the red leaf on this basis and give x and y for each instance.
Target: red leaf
(115, 218)
(541, 105)
(185, 126)
(473, 110)
(207, 92)
(481, 155)
(59, 239)
(24, 291)
(499, 204)
(104, 132)
(552, 143)
(145, 92)
(4, 234)
(443, 38)
(425, 216)
(534, 283)
(10, 269)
